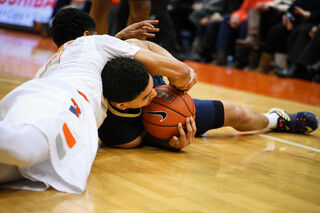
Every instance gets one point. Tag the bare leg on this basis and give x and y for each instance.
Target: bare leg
(99, 12)
(243, 119)
(139, 11)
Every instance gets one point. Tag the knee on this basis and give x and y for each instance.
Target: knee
(235, 115)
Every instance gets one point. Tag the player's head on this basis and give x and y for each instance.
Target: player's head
(71, 23)
(127, 83)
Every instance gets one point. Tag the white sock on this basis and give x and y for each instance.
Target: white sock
(273, 120)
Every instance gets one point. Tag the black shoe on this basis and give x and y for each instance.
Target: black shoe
(301, 122)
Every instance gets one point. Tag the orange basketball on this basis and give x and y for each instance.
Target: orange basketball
(167, 109)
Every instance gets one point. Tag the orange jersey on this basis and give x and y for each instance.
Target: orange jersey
(242, 12)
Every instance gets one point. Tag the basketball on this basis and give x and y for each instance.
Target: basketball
(171, 106)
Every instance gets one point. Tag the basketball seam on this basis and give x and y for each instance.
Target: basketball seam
(183, 125)
(171, 109)
(182, 99)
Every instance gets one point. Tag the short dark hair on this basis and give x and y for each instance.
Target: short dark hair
(69, 24)
(123, 79)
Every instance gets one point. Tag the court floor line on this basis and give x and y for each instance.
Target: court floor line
(289, 142)
(10, 81)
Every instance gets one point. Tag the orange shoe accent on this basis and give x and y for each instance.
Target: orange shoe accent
(68, 135)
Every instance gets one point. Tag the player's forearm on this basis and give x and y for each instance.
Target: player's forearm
(177, 72)
(158, 49)
(159, 61)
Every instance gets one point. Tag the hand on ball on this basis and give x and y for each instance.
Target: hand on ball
(185, 138)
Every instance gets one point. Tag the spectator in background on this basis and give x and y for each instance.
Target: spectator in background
(203, 46)
(234, 26)
(179, 11)
(203, 9)
(303, 64)
(260, 20)
(200, 17)
(314, 48)
(290, 36)
(166, 37)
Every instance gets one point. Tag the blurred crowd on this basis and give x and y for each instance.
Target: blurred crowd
(267, 36)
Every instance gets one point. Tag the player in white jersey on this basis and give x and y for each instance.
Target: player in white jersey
(48, 125)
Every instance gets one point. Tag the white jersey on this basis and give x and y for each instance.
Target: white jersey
(64, 103)
(80, 63)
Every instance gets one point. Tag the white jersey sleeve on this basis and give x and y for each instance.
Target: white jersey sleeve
(109, 46)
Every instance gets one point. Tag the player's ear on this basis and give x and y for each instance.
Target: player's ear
(121, 106)
(86, 33)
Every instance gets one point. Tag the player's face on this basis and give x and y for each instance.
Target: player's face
(145, 96)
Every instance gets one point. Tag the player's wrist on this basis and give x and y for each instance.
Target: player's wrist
(182, 79)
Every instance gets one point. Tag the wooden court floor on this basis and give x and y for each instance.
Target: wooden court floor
(225, 171)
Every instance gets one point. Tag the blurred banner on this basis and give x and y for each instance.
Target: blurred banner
(22, 13)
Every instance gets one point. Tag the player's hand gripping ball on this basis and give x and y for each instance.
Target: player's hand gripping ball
(170, 106)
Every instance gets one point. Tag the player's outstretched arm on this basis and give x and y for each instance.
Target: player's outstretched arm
(159, 61)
